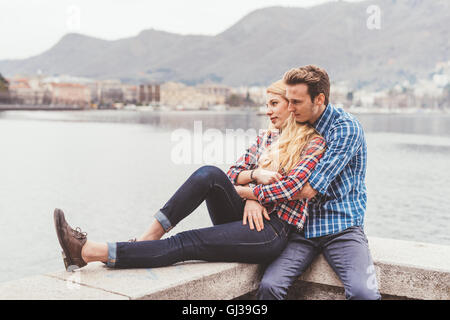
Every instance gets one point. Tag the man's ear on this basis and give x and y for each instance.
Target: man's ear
(320, 99)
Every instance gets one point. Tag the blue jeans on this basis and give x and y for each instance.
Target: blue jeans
(347, 252)
(227, 241)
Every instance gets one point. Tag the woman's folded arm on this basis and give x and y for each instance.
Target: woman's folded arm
(248, 161)
(291, 184)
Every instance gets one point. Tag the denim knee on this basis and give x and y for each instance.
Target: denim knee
(270, 290)
(362, 291)
(206, 174)
(208, 171)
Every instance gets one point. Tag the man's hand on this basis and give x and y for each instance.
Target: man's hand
(263, 176)
(254, 212)
(307, 192)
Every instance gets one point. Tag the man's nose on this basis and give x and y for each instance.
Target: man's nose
(290, 108)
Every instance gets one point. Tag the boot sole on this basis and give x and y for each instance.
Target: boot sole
(70, 266)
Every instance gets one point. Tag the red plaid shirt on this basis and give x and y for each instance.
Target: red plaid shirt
(276, 197)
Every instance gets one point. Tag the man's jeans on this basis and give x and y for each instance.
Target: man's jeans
(227, 241)
(347, 253)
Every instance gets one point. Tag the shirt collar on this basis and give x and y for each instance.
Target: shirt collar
(323, 123)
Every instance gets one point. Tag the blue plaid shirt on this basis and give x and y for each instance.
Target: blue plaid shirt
(339, 176)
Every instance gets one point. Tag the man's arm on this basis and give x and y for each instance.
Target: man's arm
(307, 192)
(346, 139)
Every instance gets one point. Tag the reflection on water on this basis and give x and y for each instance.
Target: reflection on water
(110, 171)
(427, 124)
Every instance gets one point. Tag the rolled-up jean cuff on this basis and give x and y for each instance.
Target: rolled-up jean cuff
(165, 223)
(112, 254)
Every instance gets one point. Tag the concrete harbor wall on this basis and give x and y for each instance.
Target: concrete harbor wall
(405, 270)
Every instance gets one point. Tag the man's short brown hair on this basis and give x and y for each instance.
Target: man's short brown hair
(314, 77)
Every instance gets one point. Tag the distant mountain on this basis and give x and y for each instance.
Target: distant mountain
(259, 48)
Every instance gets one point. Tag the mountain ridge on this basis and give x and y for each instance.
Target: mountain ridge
(262, 45)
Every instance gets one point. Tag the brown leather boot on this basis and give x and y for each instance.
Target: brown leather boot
(71, 241)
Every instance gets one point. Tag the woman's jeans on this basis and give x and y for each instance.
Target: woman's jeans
(227, 241)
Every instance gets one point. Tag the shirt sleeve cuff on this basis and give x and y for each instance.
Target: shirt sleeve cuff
(232, 175)
(257, 191)
(318, 182)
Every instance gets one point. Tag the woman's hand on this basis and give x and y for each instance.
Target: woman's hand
(263, 176)
(245, 192)
(240, 190)
(254, 212)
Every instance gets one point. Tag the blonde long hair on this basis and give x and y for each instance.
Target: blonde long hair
(286, 151)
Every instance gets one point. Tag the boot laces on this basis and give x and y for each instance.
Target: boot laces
(78, 233)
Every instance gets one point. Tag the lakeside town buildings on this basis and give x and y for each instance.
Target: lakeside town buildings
(430, 93)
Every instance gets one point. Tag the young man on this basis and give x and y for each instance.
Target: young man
(337, 194)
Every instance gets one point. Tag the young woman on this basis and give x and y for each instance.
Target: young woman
(272, 171)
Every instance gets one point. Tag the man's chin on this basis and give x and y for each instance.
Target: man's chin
(300, 120)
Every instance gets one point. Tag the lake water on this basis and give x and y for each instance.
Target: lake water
(110, 171)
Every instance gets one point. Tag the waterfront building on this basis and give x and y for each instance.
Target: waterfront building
(181, 97)
(218, 90)
(109, 92)
(29, 91)
(70, 94)
(130, 94)
(149, 94)
(256, 94)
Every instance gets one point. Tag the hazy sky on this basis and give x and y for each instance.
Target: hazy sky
(29, 27)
